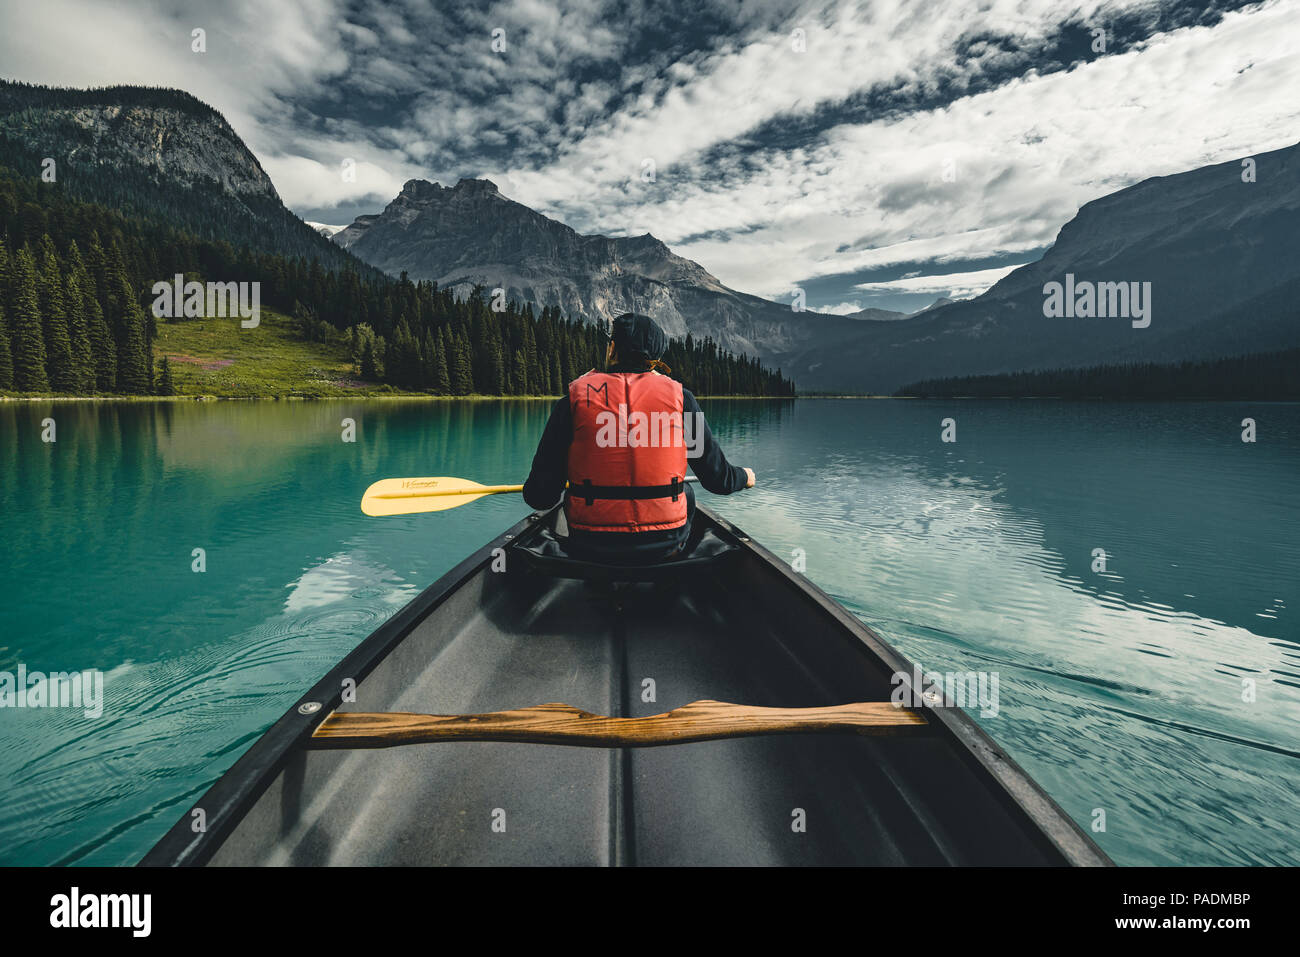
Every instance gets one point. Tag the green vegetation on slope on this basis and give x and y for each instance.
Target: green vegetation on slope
(219, 357)
(76, 283)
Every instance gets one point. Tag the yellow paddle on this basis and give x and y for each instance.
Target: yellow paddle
(407, 496)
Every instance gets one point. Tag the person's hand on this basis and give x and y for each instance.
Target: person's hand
(750, 482)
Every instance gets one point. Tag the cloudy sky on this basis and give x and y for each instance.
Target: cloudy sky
(874, 154)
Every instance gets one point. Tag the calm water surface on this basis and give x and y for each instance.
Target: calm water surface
(1120, 690)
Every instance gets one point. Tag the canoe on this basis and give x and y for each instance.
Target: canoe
(529, 710)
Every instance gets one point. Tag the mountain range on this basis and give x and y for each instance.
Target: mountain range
(1216, 245)
(471, 235)
(1218, 248)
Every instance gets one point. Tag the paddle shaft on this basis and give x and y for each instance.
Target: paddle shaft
(430, 493)
(408, 496)
(481, 490)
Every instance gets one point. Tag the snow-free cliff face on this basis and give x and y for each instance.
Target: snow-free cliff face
(176, 137)
(158, 153)
(469, 234)
(1217, 248)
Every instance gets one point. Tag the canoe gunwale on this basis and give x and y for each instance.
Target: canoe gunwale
(234, 793)
(231, 796)
(1048, 820)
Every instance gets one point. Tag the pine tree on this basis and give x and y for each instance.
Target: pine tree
(101, 373)
(6, 358)
(134, 367)
(403, 365)
(126, 320)
(97, 266)
(496, 364)
(83, 362)
(366, 352)
(354, 347)
(368, 365)
(567, 374)
(519, 374)
(29, 341)
(165, 385)
(462, 377)
(534, 381)
(54, 320)
(104, 349)
(428, 363)
(441, 377)
(6, 282)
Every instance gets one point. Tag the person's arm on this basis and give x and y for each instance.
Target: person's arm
(550, 470)
(705, 456)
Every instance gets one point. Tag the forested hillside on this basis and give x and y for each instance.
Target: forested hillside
(159, 154)
(75, 292)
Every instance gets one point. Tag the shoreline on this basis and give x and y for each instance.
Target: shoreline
(381, 397)
(419, 397)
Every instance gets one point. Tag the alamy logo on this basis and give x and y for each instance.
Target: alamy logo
(965, 689)
(650, 430)
(214, 300)
(1098, 300)
(58, 689)
(75, 909)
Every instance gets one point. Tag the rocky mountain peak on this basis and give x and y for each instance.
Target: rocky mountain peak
(419, 190)
(163, 132)
(478, 187)
(471, 235)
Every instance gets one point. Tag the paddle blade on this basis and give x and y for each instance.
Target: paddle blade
(407, 496)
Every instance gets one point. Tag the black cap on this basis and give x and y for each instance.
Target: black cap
(635, 334)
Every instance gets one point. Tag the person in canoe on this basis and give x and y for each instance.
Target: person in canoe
(621, 440)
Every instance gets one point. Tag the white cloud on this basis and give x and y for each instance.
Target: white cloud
(319, 184)
(1026, 155)
(957, 285)
(839, 309)
(846, 198)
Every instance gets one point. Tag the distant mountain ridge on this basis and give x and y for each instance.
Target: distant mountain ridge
(470, 234)
(1218, 249)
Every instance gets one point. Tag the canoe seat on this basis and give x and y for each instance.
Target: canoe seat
(563, 724)
(543, 552)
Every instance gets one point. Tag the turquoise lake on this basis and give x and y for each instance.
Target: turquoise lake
(1163, 690)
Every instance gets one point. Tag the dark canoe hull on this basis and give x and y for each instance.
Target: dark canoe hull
(748, 631)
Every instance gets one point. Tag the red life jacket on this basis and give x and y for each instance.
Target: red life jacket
(627, 460)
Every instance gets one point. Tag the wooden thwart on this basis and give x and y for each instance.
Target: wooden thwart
(564, 724)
